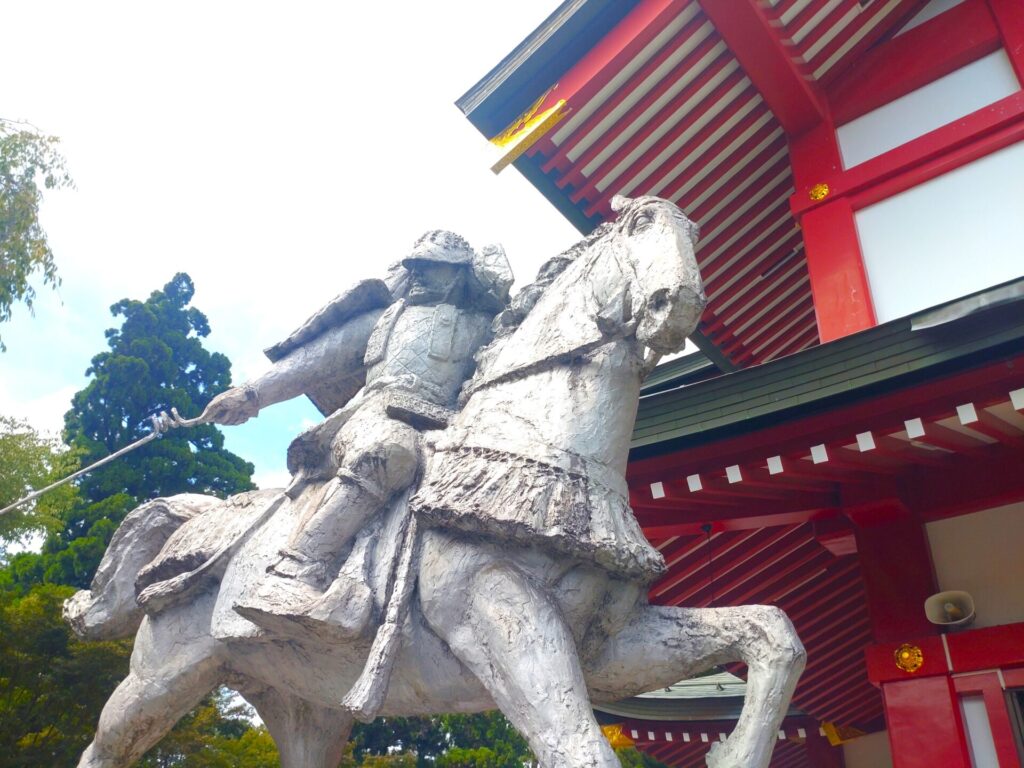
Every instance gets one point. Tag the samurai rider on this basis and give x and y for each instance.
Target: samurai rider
(414, 338)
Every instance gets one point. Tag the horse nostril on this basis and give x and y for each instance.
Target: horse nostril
(659, 300)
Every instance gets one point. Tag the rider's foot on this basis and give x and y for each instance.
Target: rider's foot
(346, 606)
(288, 604)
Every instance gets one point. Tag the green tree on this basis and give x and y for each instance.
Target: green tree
(30, 461)
(29, 164)
(155, 361)
(53, 686)
(485, 740)
(217, 734)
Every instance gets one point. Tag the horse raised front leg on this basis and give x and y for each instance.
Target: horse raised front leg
(664, 645)
(166, 680)
(510, 635)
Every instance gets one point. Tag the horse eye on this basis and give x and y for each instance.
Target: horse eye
(642, 222)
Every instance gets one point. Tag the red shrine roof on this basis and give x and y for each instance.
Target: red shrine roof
(693, 101)
(921, 416)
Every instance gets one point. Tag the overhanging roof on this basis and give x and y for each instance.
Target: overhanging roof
(692, 100)
(926, 412)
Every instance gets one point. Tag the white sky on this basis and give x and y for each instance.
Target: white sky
(276, 152)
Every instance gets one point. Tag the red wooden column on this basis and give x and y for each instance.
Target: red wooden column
(896, 562)
(926, 728)
(839, 283)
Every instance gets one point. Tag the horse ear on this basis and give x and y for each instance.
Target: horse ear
(619, 202)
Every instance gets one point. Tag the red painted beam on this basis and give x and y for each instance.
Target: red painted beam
(989, 687)
(944, 149)
(895, 68)
(755, 43)
(744, 517)
(897, 570)
(905, 10)
(561, 157)
(1009, 16)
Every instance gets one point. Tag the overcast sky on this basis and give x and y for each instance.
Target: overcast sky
(276, 152)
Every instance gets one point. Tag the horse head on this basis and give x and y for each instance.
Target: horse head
(666, 296)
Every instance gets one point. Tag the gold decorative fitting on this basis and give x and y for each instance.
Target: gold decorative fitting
(818, 192)
(527, 129)
(615, 736)
(909, 657)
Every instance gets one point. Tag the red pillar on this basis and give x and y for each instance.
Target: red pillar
(897, 568)
(926, 729)
(839, 283)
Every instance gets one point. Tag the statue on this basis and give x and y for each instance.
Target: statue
(452, 540)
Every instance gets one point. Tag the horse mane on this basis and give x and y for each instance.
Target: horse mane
(520, 306)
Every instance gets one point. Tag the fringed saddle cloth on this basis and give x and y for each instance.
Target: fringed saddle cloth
(536, 495)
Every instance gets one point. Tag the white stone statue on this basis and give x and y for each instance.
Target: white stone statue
(446, 545)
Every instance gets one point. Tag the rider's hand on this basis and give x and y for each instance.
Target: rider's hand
(235, 406)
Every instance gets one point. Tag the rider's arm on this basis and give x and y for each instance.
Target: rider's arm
(337, 352)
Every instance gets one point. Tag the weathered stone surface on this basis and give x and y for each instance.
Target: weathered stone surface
(457, 534)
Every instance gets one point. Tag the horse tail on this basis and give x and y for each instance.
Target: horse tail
(109, 610)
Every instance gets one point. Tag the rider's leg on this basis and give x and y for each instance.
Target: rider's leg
(377, 456)
(513, 637)
(659, 646)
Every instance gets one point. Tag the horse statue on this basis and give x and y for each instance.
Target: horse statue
(513, 575)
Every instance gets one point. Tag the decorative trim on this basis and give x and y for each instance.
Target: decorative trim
(908, 657)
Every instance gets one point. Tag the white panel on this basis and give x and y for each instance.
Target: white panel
(980, 554)
(940, 102)
(979, 732)
(956, 234)
(871, 751)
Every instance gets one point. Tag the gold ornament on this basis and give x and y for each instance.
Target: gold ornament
(527, 129)
(616, 737)
(909, 657)
(819, 192)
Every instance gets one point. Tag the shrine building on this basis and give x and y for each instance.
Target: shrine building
(848, 443)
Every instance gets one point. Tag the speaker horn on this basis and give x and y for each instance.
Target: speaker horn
(952, 609)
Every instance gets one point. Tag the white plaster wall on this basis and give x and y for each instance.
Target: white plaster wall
(942, 101)
(981, 553)
(958, 233)
(871, 751)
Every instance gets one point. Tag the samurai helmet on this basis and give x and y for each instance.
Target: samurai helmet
(440, 247)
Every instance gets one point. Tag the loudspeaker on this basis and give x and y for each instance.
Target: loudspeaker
(950, 609)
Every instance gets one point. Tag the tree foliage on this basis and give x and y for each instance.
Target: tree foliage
(53, 686)
(29, 164)
(30, 461)
(484, 740)
(155, 361)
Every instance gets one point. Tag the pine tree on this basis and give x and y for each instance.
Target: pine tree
(52, 685)
(156, 361)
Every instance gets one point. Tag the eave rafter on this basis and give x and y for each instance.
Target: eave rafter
(789, 91)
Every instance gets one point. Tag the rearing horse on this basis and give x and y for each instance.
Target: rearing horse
(532, 573)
